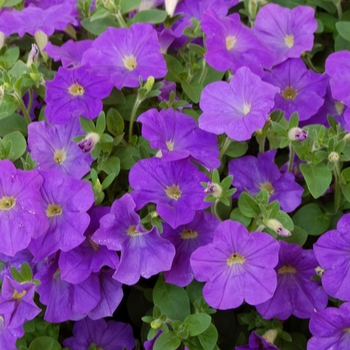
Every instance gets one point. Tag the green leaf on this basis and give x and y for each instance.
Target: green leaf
(99, 25)
(44, 343)
(167, 340)
(327, 20)
(11, 56)
(129, 5)
(125, 154)
(13, 122)
(343, 29)
(341, 44)
(172, 300)
(100, 13)
(26, 272)
(192, 90)
(248, 206)
(16, 275)
(101, 123)
(11, 3)
(197, 323)
(174, 69)
(115, 122)
(209, 338)
(236, 149)
(312, 219)
(110, 165)
(236, 215)
(18, 144)
(154, 16)
(299, 236)
(318, 178)
(87, 125)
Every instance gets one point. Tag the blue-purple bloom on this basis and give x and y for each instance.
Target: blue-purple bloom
(177, 136)
(296, 294)
(254, 174)
(175, 187)
(123, 55)
(236, 265)
(237, 108)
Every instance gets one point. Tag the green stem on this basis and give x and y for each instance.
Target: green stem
(30, 103)
(23, 108)
(291, 158)
(214, 209)
(308, 60)
(204, 72)
(133, 116)
(120, 19)
(253, 225)
(261, 142)
(339, 9)
(224, 147)
(337, 194)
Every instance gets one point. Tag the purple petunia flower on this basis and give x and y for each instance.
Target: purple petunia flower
(143, 253)
(65, 301)
(237, 108)
(330, 329)
(73, 93)
(232, 45)
(186, 239)
(296, 294)
(123, 55)
(298, 86)
(177, 136)
(332, 253)
(70, 53)
(52, 147)
(9, 336)
(287, 32)
(104, 335)
(16, 302)
(22, 215)
(237, 266)
(257, 342)
(16, 262)
(33, 19)
(67, 201)
(254, 174)
(174, 186)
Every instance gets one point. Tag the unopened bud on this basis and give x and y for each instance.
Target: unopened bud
(2, 92)
(214, 189)
(319, 271)
(89, 142)
(297, 134)
(333, 157)
(2, 39)
(270, 335)
(156, 323)
(41, 39)
(339, 107)
(33, 55)
(276, 226)
(170, 6)
(346, 137)
(149, 83)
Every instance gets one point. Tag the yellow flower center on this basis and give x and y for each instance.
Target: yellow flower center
(289, 93)
(59, 156)
(286, 269)
(289, 40)
(130, 62)
(170, 145)
(132, 231)
(235, 258)
(173, 192)
(53, 210)
(17, 295)
(268, 187)
(94, 245)
(246, 108)
(56, 274)
(188, 234)
(230, 42)
(339, 107)
(6, 203)
(76, 90)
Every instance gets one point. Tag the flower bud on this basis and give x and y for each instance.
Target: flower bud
(333, 157)
(41, 39)
(319, 271)
(149, 83)
(2, 92)
(89, 142)
(2, 39)
(297, 134)
(156, 323)
(276, 226)
(170, 6)
(214, 189)
(33, 55)
(270, 335)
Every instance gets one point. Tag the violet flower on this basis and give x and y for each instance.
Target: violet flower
(296, 294)
(254, 174)
(175, 187)
(9, 336)
(123, 55)
(177, 136)
(237, 108)
(288, 32)
(257, 342)
(238, 266)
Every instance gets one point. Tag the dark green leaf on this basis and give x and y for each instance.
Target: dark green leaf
(99, 25)
(197, 323)
(209, 338)
(14, 122)
(18, 144)
(110, 165)
(44, 343)
(236, 215)
(129, 5)
(192, 90)
(87, 125)
(174, 69)
(167, 340)
(248, 206)
(343, 29)
(154, 16)
(299, 236)
(236, 149)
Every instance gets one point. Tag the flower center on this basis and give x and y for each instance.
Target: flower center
(17, 295)
(246, 108)
(346, 330)
(170, 145)
(289, 93)
(56, 274)
(289, 40)
(268, 187)
(53, 210)
(235, 258)
(132, 231)
(188, 234)
(287, 269)
(339, 107)
(230, 42)
(130, 62)
(173, 192)
(93, 244)
(59, 156)
(6, 203)
(76, 90)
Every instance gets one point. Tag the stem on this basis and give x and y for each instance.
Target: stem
(261, 144)
(291, 158)
(133, 116)
(120, 19)
(23, 108)
(308, 60)
(339, 9)
(224, 147)
(30, 103)
(214, 209)
(337, 194)
(204, 72)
